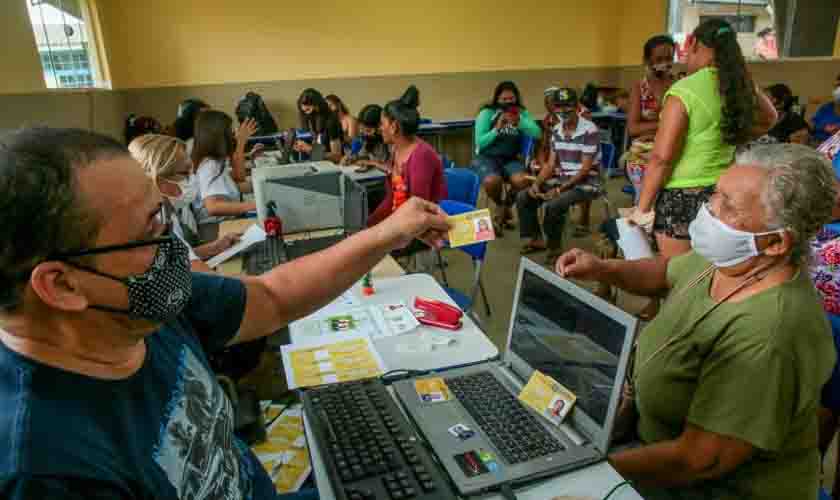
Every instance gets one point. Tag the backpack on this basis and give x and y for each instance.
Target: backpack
(251, 105)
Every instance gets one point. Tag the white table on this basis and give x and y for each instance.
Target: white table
(414, 350)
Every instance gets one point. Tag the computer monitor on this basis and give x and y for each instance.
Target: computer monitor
(577, 339)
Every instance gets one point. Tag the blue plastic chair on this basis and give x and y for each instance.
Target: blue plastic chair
(836, 165)
(608, 156)
(823, 495)
(477, 252)
(356, 145)
(463, 185)
(527, 150)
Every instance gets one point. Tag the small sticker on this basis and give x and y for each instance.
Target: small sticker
(322, 355)
(329, 379)
(471, 464)
(326, 367)
(461, 432)
(432, 390)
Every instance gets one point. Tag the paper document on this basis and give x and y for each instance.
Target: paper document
(252, 236)
(379, 321)
(284, 454)
(333, 358)
(471, 227)
(633, 241)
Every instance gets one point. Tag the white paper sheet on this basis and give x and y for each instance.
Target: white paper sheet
(632, 241)
(252, 236)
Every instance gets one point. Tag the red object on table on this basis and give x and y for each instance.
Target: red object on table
(272, 225)
(436, 313)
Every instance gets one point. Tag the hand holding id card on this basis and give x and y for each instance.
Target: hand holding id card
(471, 227)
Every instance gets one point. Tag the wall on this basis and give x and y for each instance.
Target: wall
(21, 66)
(158, 43)
(99, 110)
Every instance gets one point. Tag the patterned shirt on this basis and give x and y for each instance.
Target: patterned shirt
(571, 149)
(825, 267)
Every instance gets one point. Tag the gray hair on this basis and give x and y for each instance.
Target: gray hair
(799, 193)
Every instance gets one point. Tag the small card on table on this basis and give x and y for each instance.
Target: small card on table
(471, 227)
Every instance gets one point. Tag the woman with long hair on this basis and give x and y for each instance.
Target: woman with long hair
(415, 167)
(317, 118)
(349, 124)
(165, 161)
(499, 128)
(706, 115)
(219, 157)
(188, 112)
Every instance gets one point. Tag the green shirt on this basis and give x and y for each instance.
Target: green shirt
(490, 142)
(752, 370)
(704, 155)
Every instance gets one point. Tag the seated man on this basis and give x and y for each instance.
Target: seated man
(107, 392)
(569, 177)
(726, 381)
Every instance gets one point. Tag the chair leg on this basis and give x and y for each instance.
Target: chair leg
(442, 268)
(484, 297)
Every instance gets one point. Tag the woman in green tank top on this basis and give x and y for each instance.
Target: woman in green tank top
(705, 116)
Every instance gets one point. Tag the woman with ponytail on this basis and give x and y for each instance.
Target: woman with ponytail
(706, 115)
(415, 169)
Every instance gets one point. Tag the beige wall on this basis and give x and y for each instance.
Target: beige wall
(99, 110)
(20, 67)
(156, 43)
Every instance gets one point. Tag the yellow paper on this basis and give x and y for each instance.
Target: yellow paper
(548, 397)
(432, 390)
(343, 361)
(471, 227)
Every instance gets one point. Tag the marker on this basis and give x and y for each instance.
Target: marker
(367, 285)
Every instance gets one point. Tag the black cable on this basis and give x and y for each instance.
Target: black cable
(507, 492)
(399, 374)
(616, 488)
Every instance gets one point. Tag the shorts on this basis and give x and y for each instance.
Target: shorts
(676, 208)
(485, 166)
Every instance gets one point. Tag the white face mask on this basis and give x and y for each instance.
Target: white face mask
(720, 244)
(189, 192)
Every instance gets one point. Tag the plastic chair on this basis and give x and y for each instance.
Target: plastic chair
(824, 495)
(477, 252)
(463, 185)
(527, 150)
(356, 145)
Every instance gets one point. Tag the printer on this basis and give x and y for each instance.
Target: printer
(310, 196)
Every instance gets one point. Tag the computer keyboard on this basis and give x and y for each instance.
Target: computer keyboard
(512, 429)
(265, 256)
(368, 446)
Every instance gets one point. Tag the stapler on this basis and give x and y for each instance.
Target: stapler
(436, 313)
(272, 225)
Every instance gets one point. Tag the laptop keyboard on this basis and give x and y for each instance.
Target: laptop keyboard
(512, 429)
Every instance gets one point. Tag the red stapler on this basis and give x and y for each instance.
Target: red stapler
(436, 313)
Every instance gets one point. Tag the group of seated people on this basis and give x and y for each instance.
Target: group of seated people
(727, 397)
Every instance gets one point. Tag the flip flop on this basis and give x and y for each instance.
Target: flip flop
(529, 248)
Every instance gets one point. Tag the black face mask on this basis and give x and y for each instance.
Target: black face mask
(161, 292)
(371, 141)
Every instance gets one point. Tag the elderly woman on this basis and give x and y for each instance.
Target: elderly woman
(726, 380)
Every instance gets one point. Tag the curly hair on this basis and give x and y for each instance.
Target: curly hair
(737, 89)
(799, 192)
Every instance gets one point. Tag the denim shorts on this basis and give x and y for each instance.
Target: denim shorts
(485, 166)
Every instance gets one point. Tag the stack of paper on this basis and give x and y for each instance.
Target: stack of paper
(331, 359)
(285, 455)
(251, 237)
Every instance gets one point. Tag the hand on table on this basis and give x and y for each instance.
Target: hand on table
(227, 241)
(415, 219)
(302, 147)
(256, 151)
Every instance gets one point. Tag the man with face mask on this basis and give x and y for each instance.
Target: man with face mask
(570, 176)
(726, 381)
(107, 392)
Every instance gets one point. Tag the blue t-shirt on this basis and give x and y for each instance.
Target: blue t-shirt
(825, 116)
(166, 432)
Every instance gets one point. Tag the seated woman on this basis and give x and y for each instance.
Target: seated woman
(135, 126)
(498, 142)
(415, 168)
(826, 121)
(726, 382)
(349, 124)
(646, 98)
(570, 176)
(166, 162)
(790, 127)
(220, 167)
(317, 118)
(188, 112)
(374, 153)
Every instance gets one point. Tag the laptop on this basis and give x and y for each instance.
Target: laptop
(484, 436)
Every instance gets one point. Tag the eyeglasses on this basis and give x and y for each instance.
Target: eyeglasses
(111, 248)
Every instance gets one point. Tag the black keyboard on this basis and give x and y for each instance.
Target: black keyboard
(368, 446)
(513, 430)
(265, 256)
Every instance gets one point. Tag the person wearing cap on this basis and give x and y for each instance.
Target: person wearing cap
(374, 152)
(499, 129)
(569, 176)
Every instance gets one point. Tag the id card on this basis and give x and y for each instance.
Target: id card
(432, 390)
(548, 397)
(471, 227)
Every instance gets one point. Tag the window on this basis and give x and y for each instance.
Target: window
(741, 24)
(64, 38)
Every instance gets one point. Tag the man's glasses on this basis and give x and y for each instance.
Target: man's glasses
(111, 248)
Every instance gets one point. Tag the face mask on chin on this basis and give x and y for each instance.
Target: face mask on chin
(720, 244)
(661, 70)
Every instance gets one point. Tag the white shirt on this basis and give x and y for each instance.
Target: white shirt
(215, 179)
(178, 231)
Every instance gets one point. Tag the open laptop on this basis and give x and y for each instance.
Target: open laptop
(567, 333)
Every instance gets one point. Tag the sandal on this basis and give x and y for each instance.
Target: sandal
(498, 227)
(530, 248)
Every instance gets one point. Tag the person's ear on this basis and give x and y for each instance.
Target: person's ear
(776, 244)
(57, 287)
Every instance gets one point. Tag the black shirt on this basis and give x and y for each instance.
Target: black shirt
(788, 124)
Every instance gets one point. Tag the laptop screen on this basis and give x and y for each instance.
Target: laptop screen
(569, 340)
